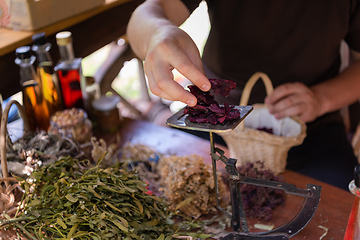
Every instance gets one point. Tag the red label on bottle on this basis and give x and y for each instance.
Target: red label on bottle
(71, 89)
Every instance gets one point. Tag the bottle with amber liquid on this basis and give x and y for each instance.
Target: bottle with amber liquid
(45, 70)
(33, 101)
(69, 72)
(353, 227)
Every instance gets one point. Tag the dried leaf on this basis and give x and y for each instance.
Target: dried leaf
(264, 226)
(185, 202)
(161, 237)
(120, 226)
(90, 189)
(113, 207)
(139, 205)
(61, 223)
(151, 223)
(71, 198)
(72, 231)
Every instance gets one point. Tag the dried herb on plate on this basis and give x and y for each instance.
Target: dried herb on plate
(207, 110)
(68, 200)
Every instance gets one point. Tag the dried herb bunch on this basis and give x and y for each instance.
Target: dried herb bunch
(39, 148)
(68, 200)
(260, 201)
(138, 152)
(143, 160)
(188, 185)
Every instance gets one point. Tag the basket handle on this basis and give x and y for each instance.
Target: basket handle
(250, 84)
(248, 87)
(3, 134)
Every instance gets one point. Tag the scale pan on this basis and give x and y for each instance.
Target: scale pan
(181, 120)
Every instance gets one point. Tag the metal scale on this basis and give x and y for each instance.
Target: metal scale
(238, 219)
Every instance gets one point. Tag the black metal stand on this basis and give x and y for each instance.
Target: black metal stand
(238, 218)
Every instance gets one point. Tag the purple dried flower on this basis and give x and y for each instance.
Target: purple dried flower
(259, 201)
(207, 105)
(222, 87)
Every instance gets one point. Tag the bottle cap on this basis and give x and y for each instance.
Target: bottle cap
(106, 103)
(63, 38)
(23, 52)
(357, 175)
(39, 39)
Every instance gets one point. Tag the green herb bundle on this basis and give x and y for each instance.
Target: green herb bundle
(66, 200)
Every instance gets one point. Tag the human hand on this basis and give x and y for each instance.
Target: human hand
(169, 48)
(294, 99)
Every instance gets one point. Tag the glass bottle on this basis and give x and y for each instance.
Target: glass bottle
(353, 227)
(69, 71)
(48, 78)
(92, 92)
(33, 100)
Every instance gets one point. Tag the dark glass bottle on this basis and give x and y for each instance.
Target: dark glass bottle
(33, 100)
(45, 70)
(353, 227)
(69, 71)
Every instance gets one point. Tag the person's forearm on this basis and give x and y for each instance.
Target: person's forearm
(340, 91)
(149, 17)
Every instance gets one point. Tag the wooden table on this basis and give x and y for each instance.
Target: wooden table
(334, 207)
(91, 31)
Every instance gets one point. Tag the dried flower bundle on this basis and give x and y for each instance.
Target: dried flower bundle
(188, 185)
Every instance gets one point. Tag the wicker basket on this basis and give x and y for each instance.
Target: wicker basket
(247, 143)
(10, 195)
